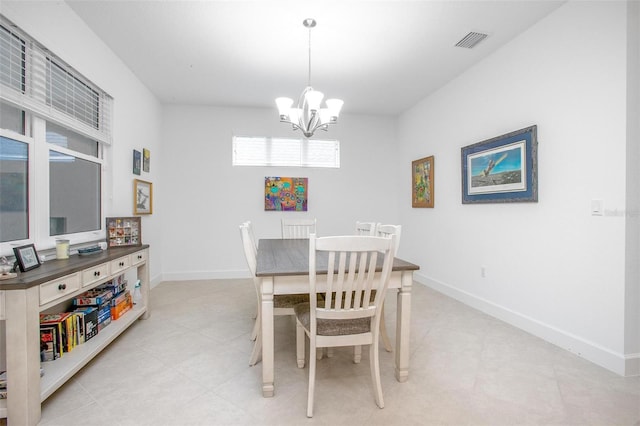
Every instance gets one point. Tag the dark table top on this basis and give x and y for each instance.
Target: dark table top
(281, 257)
(52, 269)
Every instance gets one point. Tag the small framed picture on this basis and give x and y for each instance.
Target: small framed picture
(422, 182)
(142, 197)
(137, 162)
(146, 160)
(27, 257)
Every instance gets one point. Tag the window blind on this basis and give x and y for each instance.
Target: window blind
(34, 79)
(285, 152)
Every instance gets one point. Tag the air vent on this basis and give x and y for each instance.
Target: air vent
(470, 40)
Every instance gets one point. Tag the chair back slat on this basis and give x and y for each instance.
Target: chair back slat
(366, 228)
(387, 230)
(351, 275)
(249, 247)
(298, 228)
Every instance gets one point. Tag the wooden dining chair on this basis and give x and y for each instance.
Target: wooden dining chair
(282, 303)
(252, 239)
(348, 315)
(387, 230)
(298, 228)
(366, 228)
(371, 228)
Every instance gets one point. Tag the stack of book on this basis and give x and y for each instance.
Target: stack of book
(101, 300)
(93, 311)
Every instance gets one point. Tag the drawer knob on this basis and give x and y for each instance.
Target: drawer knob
(139, 256)
(121, 263)
(62, 286)
(96, 274)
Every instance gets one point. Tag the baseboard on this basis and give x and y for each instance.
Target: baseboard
(204, 275)
(628, 365)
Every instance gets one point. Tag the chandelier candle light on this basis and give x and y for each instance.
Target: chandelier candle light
(308, 116)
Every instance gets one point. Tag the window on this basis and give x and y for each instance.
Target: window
(14, 160)
(264, 151)
(54, 129)
(74, 183)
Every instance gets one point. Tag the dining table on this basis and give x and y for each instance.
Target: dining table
(283, 268)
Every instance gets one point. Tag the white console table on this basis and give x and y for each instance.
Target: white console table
(54, 284)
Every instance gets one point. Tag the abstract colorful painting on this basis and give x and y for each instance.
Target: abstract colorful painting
(285, 194)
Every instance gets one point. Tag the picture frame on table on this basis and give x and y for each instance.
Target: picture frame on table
(142, 197)
(503, 169)
(422, 185)
(26, 257)
(124, 231)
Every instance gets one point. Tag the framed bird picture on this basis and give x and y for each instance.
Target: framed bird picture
(503, 169)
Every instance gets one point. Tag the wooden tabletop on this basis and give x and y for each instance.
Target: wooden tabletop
(52, 269)
(281, 257)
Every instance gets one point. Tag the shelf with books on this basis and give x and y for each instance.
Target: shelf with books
(57, 372)
(23, 309)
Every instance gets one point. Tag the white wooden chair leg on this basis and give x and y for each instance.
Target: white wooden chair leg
(357, 354)
(300, 341)
(312, 379)
(374, 364)
(256, 353)
(383, 333)
(256, 328)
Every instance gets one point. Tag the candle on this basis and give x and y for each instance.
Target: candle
(62, 249)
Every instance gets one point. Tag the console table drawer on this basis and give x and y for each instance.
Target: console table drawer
(91, 275)
(56, 289)
(120, 264)
(138, 257)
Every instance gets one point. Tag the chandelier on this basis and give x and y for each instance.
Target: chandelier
(308, 116)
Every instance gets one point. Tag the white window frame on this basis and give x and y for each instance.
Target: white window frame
(37, 113)
(258, 151)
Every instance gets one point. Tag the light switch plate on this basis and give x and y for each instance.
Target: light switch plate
(597, 208)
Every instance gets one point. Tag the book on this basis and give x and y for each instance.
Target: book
(58, 320)
(121, 308)
(104, 315)
(89, 318)
(120, 298)
(93, 297)
(48, 344)
(114, 286)
(57, 338)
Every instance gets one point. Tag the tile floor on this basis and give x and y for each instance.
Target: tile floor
(188, 365)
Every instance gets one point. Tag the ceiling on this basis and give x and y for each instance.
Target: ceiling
(380, 57)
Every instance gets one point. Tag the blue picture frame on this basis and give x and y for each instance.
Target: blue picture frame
(137, 162)
(503, 169)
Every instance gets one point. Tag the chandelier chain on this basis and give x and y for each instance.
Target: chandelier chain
(309, 77)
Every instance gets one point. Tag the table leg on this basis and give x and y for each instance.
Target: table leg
(266, 293)
(23, 356)
(403, 326)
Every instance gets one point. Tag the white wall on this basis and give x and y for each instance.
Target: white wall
(632, 295)
(205, 198)
(136, 112)
(551, 267)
